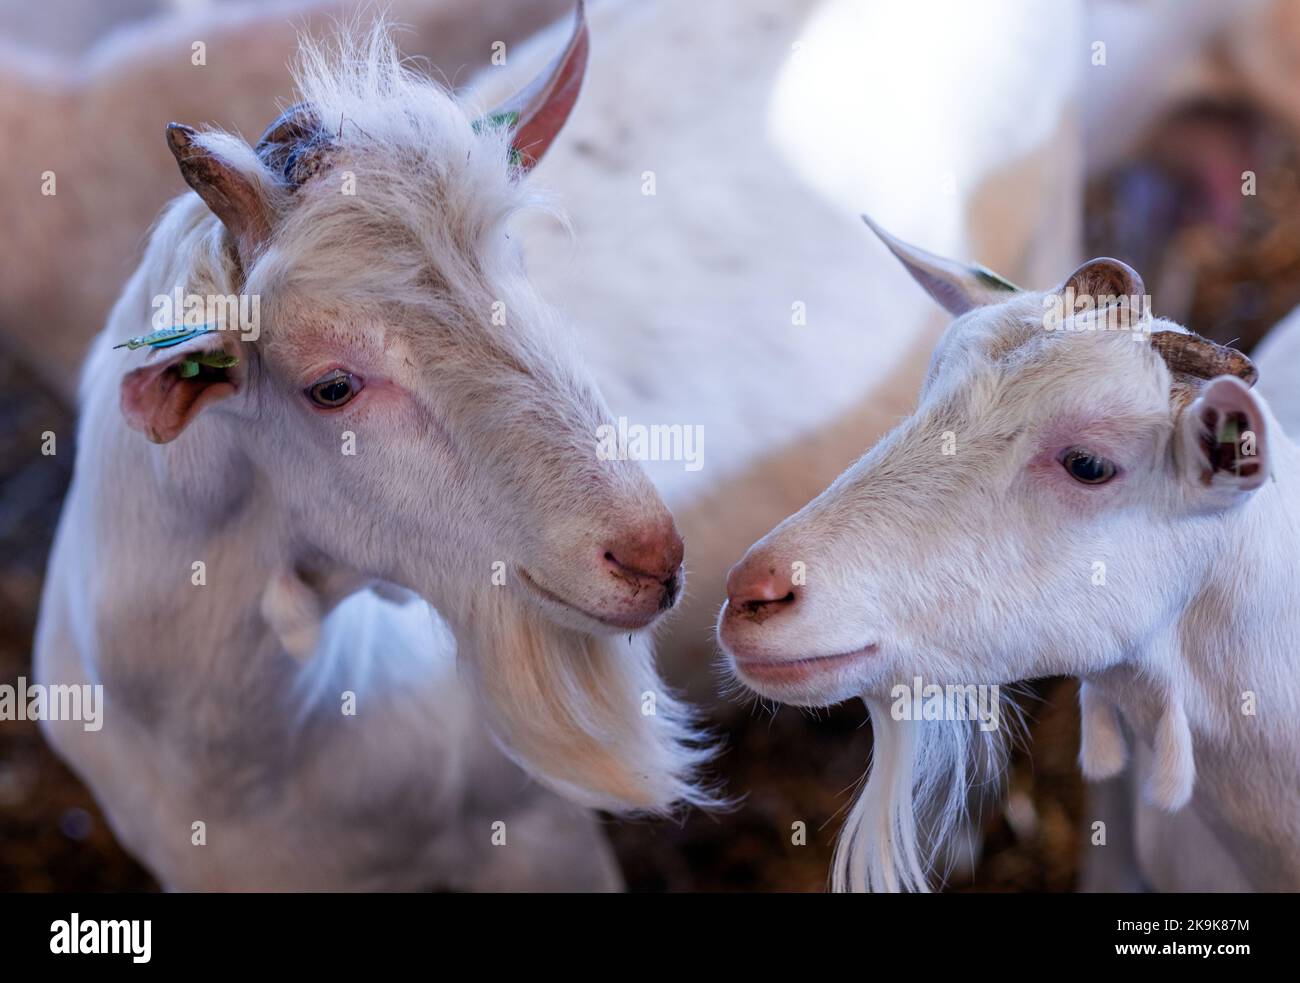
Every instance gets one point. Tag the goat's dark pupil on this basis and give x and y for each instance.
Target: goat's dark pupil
(334, 391)
(1085, 467)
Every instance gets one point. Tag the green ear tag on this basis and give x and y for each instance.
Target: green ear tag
(1228, 431)
(189, 366)
(496, 121)
(216, 360)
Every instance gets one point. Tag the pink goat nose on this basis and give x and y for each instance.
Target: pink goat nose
(758, 584)
(652, 552)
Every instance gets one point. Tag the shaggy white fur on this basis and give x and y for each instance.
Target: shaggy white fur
(475, 455)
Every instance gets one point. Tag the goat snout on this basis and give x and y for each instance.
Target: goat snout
(649, 553)
(648, 557)
(759, 587)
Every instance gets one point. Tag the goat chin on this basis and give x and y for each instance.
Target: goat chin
(587, 716)
(915, 805)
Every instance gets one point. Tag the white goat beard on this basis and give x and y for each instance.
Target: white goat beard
(587, 716)
(919, 768)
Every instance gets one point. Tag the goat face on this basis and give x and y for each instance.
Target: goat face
(409, 401)
(1044, 510)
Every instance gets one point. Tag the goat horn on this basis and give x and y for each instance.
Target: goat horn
(538, 111)
(293, 145)
(1191, 355)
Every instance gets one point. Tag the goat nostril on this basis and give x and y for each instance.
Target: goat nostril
(672, 588)
(657, 561)
(757, 589)
(756, 604)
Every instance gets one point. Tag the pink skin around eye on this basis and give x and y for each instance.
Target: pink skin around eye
(382, 402)
(1098, 437)
(364, 355)
(359, 387)
(374, 394)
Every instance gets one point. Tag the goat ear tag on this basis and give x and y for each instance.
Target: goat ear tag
(495, 121)
(1228, 430)
(161, 397)
(188, 366)
(214, 360)
(506, 120)
(165, 338)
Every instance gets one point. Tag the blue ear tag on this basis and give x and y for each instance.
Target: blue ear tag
(169, 337)
(165, 338)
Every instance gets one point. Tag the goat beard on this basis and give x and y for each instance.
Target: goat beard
(913, 817)
(585, 715)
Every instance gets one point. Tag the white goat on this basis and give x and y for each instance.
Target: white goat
(1065, 499)
(371, 222)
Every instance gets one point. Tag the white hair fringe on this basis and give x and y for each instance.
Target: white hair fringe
(916, 801)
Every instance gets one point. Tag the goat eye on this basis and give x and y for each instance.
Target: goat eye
(1087, 468)
(334, 390)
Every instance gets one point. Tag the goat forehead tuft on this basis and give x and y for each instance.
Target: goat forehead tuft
(1002, 372)
(376, 156)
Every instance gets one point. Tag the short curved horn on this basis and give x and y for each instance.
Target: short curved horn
(294, 145)
(234, 195)
(1105, 276)
(1191, 355)
(537, 112)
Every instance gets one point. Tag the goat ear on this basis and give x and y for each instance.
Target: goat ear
(1222, 443)
(162, 398)
(538, 112)
(224, 172)
(958, 287)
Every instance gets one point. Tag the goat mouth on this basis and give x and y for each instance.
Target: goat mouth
(797, 670)
(609, 621)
